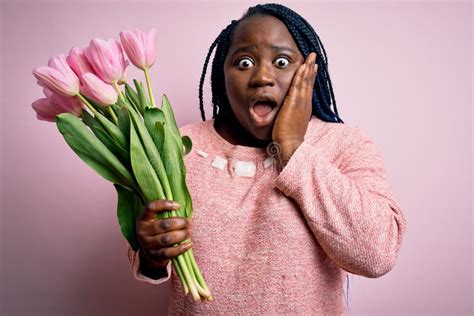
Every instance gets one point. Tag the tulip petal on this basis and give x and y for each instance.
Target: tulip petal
(151, 47)
(44, 111)
(140, 47)
(58, 76)
(98, 90)
(78, 61)
(107, 59)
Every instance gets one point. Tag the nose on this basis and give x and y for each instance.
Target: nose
(262, 76)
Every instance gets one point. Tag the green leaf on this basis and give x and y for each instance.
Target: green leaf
(188, 144)
(115, 107)
(129, 208)
(89, 120)
(152, 117)
(151, 151)
(121, 153)
(98, 130)
(112, 129)
(143, 102)
(143, 170)
(132, 96)
(176, 171)
(96, 105)
(159, 136)
(100, 167)
(124, 121)
(170, 120)
(92, 151)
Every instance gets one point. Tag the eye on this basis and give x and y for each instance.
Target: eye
(245, 63)
(282, 62)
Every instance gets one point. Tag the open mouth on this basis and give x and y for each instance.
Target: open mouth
(263, 110)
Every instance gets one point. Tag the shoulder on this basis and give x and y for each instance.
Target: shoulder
(195, 129)
(342, 133)
(338, 141)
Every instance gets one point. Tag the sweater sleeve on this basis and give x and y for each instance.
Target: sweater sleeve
(134, 258)
(349, 208)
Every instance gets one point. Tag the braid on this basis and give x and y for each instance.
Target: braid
(307, 41)
(203, 76)
(217, 69)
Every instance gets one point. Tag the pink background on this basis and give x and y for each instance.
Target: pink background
(401, 70)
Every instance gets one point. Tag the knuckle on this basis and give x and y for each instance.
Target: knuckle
(152, 206)
(165, 224)
(187, 234)
(166, 239)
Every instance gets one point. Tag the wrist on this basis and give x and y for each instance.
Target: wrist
(152, 269)
(287, 149)
(149, 264)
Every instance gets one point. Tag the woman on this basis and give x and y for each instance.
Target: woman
(287, 199)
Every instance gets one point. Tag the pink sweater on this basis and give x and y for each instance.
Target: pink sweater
(283, 243)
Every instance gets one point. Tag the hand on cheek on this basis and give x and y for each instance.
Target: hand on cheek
(293, 118)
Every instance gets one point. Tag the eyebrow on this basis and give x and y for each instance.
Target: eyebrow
(276, 48)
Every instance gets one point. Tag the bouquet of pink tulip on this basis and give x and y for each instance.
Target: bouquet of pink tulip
(121, 133)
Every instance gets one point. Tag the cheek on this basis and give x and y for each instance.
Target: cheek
(234, 84)
(285, 80)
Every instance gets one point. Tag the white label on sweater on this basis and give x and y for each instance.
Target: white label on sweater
(268, 162)
(202, 153)
(244, 168)
(219, 163)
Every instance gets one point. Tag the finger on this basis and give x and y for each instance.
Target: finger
(158, 206)
(167, 239)
(170, 224)
(169, 252)
(310, 75)
(150, 229)
(315, 73)
(311, 58)
(297, 81)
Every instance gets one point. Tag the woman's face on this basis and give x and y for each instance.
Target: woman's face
(258, 70)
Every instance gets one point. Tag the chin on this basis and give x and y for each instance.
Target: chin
(263, 133)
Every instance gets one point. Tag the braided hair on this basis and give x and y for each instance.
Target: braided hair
(307, 41)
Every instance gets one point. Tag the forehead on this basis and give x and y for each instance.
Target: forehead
(262, 31)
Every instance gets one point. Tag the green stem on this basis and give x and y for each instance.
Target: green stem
(112, 114)
(181, 276)
(122, 98)
(198, 275)
(148, 84)
(190, 281)
(190, 266)
(84, 100)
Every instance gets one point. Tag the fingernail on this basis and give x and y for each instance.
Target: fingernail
(175, 205)
(188, 245)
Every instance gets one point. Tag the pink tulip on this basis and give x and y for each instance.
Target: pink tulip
(78, 61)
(58, 76)
(140, 47)
(47, 108)
(107, 59)
(98, 90)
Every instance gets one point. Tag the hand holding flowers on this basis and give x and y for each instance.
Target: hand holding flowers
(125, 138)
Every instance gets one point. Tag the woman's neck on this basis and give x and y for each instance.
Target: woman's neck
(232, 131)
